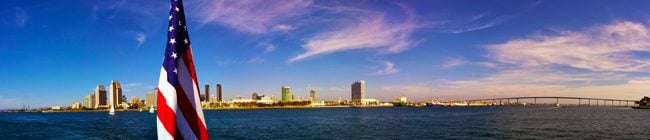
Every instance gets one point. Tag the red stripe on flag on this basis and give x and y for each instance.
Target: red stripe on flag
(190, 113)
(166, 115)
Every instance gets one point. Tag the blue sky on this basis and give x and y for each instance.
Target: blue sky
(55, 52)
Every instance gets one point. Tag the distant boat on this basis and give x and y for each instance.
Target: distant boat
(151, 109)
(557, 105)
(112, 111)
(140, 109)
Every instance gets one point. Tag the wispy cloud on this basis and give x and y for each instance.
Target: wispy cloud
(388, 68)
(282, 27)
(268, 47)
(141, 38)
(21, 16)
(228, 62)
(137, 86)
(453, 62)
(610, 47)
(251, 16)
(600, 61)
(371, 31)
(533, 82)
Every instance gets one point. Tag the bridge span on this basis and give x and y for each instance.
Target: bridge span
(604, 101)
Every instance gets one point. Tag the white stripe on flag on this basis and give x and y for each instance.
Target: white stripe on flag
(167, 90)
(162, 132)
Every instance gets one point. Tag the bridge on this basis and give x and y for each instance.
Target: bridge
(557, 100)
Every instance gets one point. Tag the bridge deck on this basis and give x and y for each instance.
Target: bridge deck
(550, 97)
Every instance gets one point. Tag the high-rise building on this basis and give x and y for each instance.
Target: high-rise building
(286, 94)
(312, 95)
(89, 100)
(358, 91)
(100, 96)
(207, 92)
(219, 94)
(255, 96)
(150, 98)
(116, 93)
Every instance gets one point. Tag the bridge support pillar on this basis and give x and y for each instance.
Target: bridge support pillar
(579, 102)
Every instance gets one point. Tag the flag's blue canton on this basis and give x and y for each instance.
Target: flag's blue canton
(177, 41)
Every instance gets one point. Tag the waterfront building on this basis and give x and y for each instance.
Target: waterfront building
(89, 100)
(219, 94)
(265, 100)
(207, 92)
(150, 99)
(286, 94)
(56, 107)
(76, 105)
(358, 91)
(312, 95)
(100, 96)
(116, 93)
(255, 96)
(135, 100)
(274, 97)
(369, 102)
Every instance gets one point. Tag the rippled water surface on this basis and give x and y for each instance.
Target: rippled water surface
(350, 123)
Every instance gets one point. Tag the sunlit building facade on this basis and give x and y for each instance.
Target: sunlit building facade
(100, 96)
(286, 94)
(116, 93)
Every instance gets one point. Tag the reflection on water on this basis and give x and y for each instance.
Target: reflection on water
(349, 123)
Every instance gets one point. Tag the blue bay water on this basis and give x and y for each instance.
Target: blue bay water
(350, 123)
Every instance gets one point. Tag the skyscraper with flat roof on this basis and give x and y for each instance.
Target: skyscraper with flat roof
(116, 93)
(100, 96)
(358, 91)
(219, 96)
(286, 94)
(312, 95)
(150, 98)
(207, 92)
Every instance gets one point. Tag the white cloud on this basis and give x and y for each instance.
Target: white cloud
(542, 82)
(601, 61)
(453, 62)
(268, 47)
(283, 27)
(389, 68)
(370, 32)
(251, 16)
(21, 16)
(141, 38)
(253, 60)
(603, 48)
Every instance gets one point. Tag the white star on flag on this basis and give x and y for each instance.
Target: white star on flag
(172, 41)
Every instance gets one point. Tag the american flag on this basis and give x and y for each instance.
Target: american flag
(179, 109)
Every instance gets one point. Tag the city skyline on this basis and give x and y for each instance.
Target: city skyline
(421, 49)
